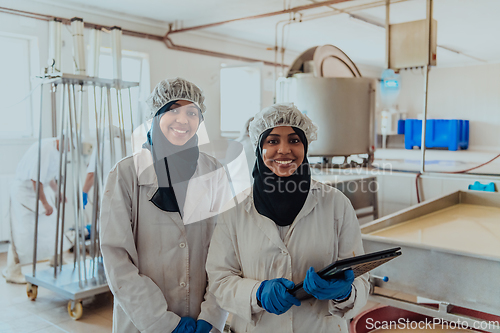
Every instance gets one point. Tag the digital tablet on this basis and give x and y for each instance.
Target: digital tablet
(359, 265)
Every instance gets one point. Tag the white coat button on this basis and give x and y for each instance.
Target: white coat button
(283, 252)
(183, 284)
(182, 245)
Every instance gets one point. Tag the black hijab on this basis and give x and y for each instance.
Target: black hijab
(280, 198)
(174, 165)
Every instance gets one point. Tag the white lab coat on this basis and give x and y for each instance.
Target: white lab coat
(27, 169)
(23, 203)
(154, 260)
(246, 249)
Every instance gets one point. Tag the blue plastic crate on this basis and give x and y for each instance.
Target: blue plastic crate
(440, 133)
(477, 186)
(401, 126)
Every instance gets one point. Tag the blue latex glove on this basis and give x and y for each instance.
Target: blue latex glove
(202, 326)
(89, 228)
(274, 297)
(85, 199)
(336, 289)
(186, 325)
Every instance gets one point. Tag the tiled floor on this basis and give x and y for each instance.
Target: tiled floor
(18, 314)
(48, 314)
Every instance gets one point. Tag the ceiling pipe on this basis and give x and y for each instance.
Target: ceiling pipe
(383, 26)
(253, 17)
(165, 39)
(66, 21)
(335, 11)
(172, 46)
(23, 13)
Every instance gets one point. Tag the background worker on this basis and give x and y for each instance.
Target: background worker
(23, 208)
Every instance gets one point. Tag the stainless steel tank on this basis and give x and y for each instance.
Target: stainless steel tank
(342, 108)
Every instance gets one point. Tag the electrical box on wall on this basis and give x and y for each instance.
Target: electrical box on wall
(410, 45)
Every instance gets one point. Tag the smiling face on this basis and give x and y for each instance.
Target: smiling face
(180, 123)
(282, 151)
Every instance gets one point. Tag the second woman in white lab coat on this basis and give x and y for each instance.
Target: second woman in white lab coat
(287, 228)
(157, 218)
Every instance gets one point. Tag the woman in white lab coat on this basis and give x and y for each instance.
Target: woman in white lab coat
(286, 229)
(158, 214)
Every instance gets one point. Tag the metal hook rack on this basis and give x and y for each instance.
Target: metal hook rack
(84, 277)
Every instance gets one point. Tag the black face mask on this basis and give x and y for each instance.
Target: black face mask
(174, 165)
(280, 198)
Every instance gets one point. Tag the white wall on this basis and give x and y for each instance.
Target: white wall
(164, 63)
(470, 92)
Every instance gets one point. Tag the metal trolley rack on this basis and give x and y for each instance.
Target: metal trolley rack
(85, 276)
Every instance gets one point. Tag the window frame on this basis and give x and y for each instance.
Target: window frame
(144, 85)
(32, 117)
(260, 67)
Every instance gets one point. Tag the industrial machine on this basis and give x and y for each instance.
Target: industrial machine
(327, 86)
(451, 255)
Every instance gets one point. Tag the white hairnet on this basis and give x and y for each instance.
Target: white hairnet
(244, 131)
(175, 89)
(283, 114)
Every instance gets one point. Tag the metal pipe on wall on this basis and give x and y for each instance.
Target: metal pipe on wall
(65, 173)
(172, 46)
(78, 45)
(79, 172)
(53, 93)
(167, 41)
(387, 32)
(71, 129)
(116, 46)
(429, 15)
(37, 187)
(97, 182)
(109, 109)
(55, 45)
(59, 199)
(131, 118)
(253, 17)
(122, 134)
(116, 52)
(95, 52)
